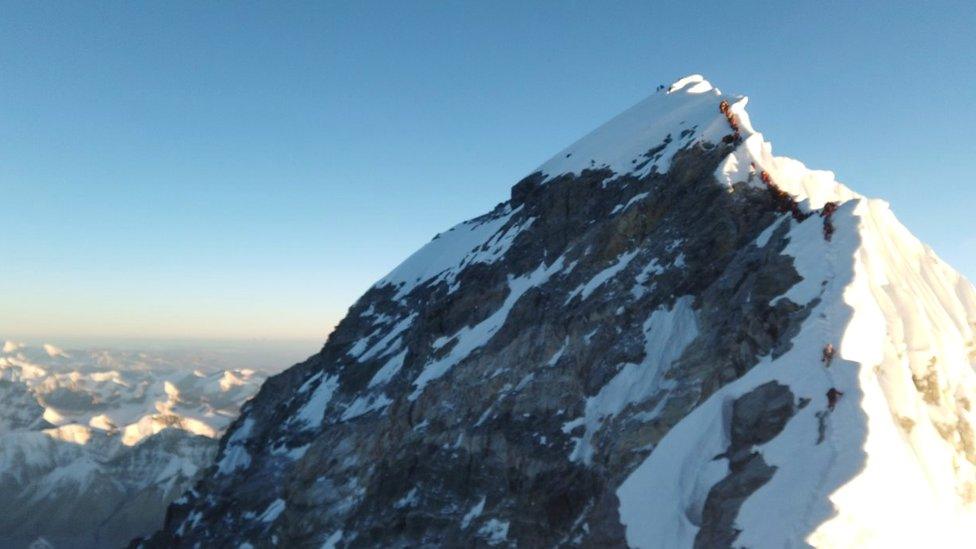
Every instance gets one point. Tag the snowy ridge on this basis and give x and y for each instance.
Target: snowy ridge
(813, 188)
(688, 112)
(903, 322)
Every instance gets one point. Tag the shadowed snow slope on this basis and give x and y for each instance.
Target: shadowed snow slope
(632, 350)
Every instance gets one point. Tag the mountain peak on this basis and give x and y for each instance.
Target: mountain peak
(695, 83)
(665, 335)
(643, 138)
(692, 112)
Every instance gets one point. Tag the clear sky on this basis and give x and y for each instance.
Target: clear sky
(247, 170)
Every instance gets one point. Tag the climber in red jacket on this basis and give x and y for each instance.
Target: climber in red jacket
(828, 210)
(827, 214)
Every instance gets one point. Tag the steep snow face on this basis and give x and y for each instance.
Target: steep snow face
(896, 453)
(95, 444)
(910, 338)
(481, 240)
(637, 343)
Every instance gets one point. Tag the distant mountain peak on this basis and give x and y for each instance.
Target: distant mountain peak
(90, 455)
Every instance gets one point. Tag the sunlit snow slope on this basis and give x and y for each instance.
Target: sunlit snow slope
(667, 337)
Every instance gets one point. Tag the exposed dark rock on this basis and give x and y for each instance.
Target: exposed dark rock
(757, 417)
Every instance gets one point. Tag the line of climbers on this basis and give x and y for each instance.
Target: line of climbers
(785, 203)
(833, 395)
(726, 109)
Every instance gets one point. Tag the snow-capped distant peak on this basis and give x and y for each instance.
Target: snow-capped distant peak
(53, 351)
(88, 435)
(11, 346)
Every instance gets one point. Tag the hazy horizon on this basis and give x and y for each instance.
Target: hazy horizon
(265, 355)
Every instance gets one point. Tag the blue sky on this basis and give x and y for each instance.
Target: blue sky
(246, 170)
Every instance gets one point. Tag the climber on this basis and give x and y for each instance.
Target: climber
(828, 210)
(827, 214)
(828, 355)
(765, 177)
(833, 395)
(828, 230)
(724, 107)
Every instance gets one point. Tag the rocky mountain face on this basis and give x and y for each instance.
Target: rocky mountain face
(95, 444)
(666, 337)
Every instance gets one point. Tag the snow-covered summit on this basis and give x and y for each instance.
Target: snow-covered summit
(644, 139)
(675, 116)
